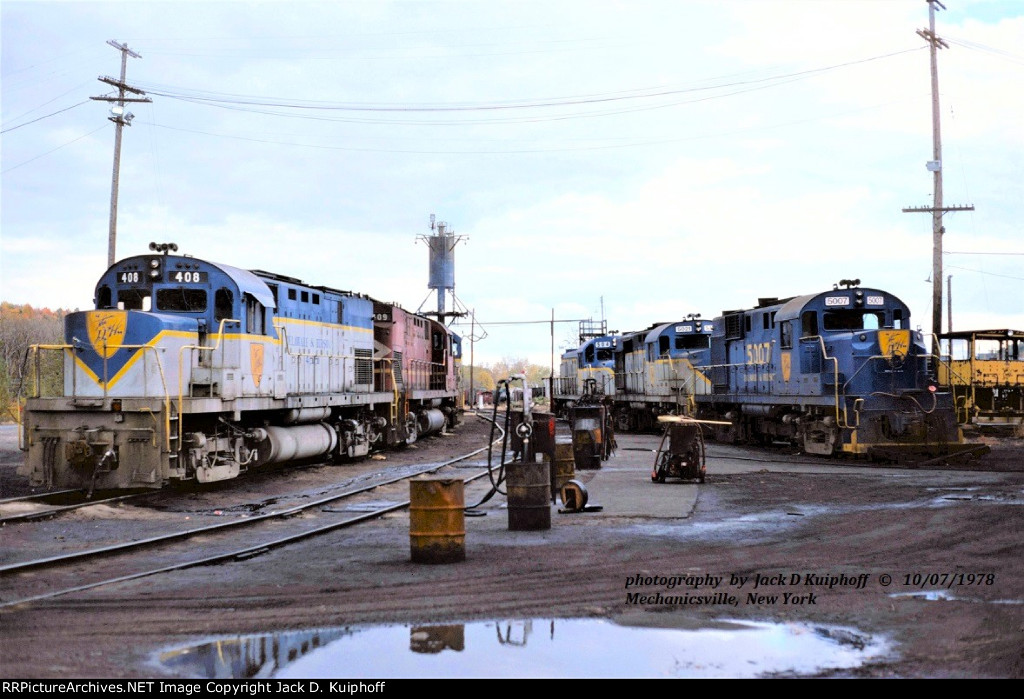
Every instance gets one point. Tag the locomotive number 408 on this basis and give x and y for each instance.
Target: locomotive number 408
(188, 277)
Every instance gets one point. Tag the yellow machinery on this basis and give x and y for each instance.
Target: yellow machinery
(984, 370)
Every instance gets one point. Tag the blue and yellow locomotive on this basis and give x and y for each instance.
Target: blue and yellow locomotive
(585, 372)
(834, 372)
(193, 370)
(656, 372)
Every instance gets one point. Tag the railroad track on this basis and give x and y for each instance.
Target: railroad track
(58, 503)
(89, 568)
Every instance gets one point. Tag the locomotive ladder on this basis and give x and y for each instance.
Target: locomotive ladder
(394, 391)
(173, 437)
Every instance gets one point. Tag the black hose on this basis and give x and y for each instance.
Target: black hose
(496, 484)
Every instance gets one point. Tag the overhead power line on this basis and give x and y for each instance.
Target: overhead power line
(641, 93)
(46, 117)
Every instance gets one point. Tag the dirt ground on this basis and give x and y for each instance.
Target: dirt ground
(758, 514)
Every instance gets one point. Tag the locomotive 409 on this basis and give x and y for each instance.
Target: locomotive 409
(189, 369)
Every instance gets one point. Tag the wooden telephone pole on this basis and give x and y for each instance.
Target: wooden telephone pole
(935, 166)
(120, 119)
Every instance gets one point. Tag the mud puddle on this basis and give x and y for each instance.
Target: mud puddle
(532, 648)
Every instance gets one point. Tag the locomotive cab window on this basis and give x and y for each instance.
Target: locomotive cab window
(104, 298)
(181, 300)
(956, 349)
(786, 334)
(1002, 350)
(254, 316)
(809, 324)
(134, 300)
(897, 318)
(223, 304)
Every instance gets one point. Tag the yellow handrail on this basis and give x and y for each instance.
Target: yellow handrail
(181, 374)
(35, 349)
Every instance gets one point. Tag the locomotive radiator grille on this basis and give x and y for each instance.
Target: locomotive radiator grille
(397, 369)
(364, 366)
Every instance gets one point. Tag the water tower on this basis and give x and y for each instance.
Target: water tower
(441, 244)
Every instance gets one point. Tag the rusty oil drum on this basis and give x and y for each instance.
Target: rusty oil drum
(437, 524)
(528, 485)
(565, 465)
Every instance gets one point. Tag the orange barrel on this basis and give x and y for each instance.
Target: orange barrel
(565, 465)
(437, 525)
(528, 485)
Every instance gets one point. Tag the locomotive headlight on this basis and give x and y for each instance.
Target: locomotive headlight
(154, 273)
(862, 337)
(154, 263)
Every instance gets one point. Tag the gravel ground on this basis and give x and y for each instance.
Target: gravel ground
(768, 515)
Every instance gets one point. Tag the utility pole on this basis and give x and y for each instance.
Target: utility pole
(935, 167)
(472, 365)
(949, 303)
(120, 119)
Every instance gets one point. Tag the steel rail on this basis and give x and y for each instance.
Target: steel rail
(59, 509)
(239, 554)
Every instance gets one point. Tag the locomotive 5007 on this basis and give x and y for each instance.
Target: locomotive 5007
(835, 372)
(189, 369)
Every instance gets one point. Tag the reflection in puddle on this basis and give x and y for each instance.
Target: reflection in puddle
(551, 648)
(930, 595)
(934, 595)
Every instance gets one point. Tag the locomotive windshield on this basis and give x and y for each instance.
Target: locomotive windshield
(181, 300)
(854, 320)
(133, 299)
(685, 342)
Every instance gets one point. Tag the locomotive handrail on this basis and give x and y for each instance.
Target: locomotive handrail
(34, 350)
(835, 372)
(181, 376)
(841, 419)
(966, 382)
(868, 361)
(282, 332)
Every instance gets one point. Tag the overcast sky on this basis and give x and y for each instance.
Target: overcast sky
(636, 161)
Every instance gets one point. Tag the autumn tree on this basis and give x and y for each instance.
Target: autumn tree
(481, 378)
(21, 327)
